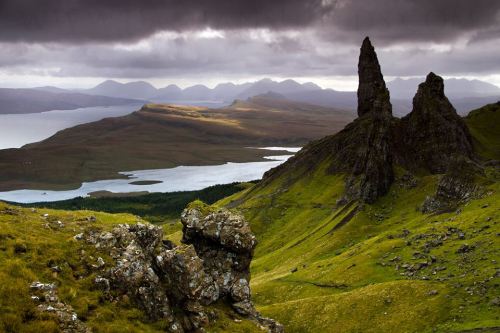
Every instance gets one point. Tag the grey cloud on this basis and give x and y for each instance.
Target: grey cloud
(112, 20)
(301, 38)
(392, 21)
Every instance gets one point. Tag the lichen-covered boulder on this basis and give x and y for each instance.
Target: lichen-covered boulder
(223, 227)
(185, 275)
(224, 242)
(134, 247)
(159, 276)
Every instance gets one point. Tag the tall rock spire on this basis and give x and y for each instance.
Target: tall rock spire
(373, 95)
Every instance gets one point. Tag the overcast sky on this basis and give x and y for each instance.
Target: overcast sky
(78, 43)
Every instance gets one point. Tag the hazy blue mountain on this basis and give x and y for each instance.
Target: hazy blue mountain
(16, 101)
(228, 92)
(53, 89)
(284, 87)
(326, 98)
(464, 94)
(137, 89)
(170, 92)
(454, 88)
(197, 92)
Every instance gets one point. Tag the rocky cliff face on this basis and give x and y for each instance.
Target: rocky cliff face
(434, 134)
(176, 284)
(430, 139)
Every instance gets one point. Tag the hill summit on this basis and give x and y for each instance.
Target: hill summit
(432, 138)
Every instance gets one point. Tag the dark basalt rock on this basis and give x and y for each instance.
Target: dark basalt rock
(364, 149)
(430, 139)
(434, 134)
(373, 95)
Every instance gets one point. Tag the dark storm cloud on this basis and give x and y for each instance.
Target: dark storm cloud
(346, 20)
(391, 21)
(107, 20)
(283, 38)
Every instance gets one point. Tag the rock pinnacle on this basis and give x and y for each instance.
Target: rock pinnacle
(373, 95)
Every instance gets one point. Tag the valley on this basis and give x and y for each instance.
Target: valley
(165, 136)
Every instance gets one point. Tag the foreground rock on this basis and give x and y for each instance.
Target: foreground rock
(158, 276)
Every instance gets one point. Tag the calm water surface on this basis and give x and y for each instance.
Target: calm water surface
(16, 130)
(182, 178)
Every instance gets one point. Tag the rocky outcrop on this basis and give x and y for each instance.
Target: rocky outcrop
(455, 187)
(224, 242)
(373, 95)
(430, 139)
(45, 294)
(434, 134)
(363, 150)
(159, 276)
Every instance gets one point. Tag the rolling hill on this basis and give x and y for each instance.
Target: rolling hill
(161, 136)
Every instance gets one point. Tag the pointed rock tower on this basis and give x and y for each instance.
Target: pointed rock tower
(362, 150)
(373, 95)
(434, 134)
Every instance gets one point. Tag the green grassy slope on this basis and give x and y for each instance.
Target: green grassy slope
(385, 267)
(31, 243)
(484, 124)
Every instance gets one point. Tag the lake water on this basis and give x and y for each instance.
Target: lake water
(17, 130)
(182, 178)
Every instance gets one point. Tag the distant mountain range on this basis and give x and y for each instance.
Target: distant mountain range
(224, 92)
(17, 101)
(464, 94)
(454, 88)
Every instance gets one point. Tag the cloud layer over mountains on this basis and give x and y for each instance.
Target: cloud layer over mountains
(245, 38)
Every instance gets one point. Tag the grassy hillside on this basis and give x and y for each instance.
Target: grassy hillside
(38, 245)
(163, 136)
(321, 266)
(484, 124)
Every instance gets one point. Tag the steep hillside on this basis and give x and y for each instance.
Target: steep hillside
(161, 136)
(484, 124)
(391, 225)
